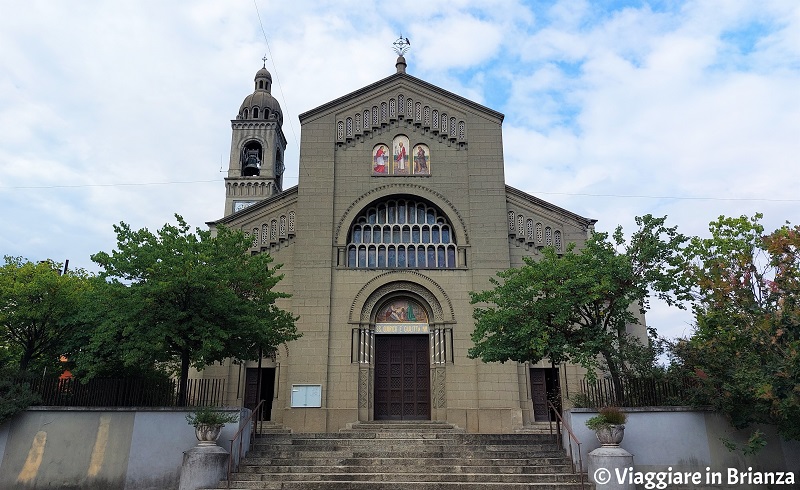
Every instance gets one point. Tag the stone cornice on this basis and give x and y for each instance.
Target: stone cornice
(398, 79)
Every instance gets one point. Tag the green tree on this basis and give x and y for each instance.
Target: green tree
(577, 306)
(194, 299)
(40, 308)
(746, 345)
(15, 393)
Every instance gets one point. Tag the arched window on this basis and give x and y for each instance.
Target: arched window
(401, 233)
(255, 112)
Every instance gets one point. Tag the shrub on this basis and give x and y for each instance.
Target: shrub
(606, 417)
(210, 416)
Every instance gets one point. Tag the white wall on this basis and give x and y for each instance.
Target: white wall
(686, 439)
(99, 448)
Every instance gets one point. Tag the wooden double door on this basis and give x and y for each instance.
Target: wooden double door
(545, 387)
(259, 386)
(402, 377)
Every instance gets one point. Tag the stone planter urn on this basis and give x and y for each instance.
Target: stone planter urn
(208, 422)
(207, 434)
(610, 435)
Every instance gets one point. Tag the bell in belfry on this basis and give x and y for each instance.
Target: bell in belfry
(252, 164)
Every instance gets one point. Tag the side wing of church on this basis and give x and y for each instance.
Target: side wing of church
(401, 210)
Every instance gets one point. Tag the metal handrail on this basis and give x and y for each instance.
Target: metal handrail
(238, 436)
(552, 409)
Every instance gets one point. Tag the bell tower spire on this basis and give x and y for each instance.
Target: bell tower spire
(255, 171)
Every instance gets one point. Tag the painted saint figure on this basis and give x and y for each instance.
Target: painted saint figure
(379, 160)
(400, 159)
(421, 161)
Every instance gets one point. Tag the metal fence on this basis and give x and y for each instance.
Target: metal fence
(126, 392)
(638, 393)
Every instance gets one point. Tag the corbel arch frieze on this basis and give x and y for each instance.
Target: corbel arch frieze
(392, 282)
(447, 207)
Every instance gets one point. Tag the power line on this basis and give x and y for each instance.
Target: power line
(120, 184)
(621, 196)
(124, 184)
(678, 198)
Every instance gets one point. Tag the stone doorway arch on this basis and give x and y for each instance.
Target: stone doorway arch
(411, 352)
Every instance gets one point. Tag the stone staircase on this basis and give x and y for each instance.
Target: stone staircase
(405, 455)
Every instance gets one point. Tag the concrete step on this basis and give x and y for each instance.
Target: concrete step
(413, 477)
(401, 426)
(553, 466)
(266, 427)
(404, 444)
(405, 485)
(411, 463)
(364, 462)
(537, 428)
(409, 436)
(454, 453)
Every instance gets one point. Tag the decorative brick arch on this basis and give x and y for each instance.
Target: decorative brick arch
(395, 283)
(386, 191)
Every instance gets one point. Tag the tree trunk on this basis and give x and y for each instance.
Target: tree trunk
(616, 380)
(183, 382)
(27, 355)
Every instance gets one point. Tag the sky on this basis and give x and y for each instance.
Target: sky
(120, 111)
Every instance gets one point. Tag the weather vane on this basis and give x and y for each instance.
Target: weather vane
(401, 46)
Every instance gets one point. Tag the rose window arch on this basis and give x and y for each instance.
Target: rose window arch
(401, 233)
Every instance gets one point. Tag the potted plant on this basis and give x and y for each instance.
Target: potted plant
(208, 423)
(608, 425)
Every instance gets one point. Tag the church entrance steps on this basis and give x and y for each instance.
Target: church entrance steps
(405, 455)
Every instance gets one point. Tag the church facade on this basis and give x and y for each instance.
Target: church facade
(400, 211)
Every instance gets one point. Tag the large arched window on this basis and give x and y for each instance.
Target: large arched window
(401, 233)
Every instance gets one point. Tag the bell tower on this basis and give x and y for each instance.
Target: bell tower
(255, 171)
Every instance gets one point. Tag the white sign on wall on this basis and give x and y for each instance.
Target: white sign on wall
(306, 396)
